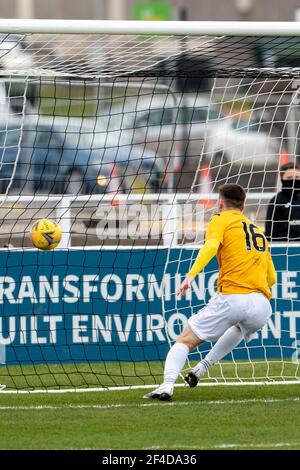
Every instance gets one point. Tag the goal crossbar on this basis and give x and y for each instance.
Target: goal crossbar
(176, 28)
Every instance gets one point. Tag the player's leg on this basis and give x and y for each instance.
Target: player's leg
(250, 312)
(201, 326)
(175, 361)
(225, 344)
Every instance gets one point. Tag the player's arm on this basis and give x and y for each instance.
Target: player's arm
(271, 275)
(214, 238)
(207, 252)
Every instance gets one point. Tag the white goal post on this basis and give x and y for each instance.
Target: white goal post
(161, 28)
(122, 132)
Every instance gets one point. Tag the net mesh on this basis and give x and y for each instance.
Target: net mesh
(124, 142)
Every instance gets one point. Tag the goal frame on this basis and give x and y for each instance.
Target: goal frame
(175, 28)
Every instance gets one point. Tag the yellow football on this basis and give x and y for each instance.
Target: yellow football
(45, 234)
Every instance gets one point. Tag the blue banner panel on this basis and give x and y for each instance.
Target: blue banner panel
(106, 305)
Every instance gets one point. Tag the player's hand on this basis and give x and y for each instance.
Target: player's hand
(186, 284)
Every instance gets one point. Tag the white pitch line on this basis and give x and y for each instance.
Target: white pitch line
(227, 446)
(268, 445)
(147, 405)
(4, 391)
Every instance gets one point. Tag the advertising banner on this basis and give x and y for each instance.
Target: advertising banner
(116, 305)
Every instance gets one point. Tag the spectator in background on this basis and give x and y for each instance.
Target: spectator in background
(283, 213)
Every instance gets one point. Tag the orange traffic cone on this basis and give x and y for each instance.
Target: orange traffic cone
(205, 185)
(284, 157)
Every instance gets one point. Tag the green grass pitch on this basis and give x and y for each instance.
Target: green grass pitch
(222, 417)
(263, 417)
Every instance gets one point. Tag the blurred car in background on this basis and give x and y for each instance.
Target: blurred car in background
(241, 141)
(38, 160)
(50, 158)
(141, 169)
(197, 125)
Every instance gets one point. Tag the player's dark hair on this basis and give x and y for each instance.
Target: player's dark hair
(233, 194)
(286, 167)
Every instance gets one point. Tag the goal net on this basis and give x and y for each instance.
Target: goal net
(122, 133)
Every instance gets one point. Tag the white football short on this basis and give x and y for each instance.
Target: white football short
(249, 311)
